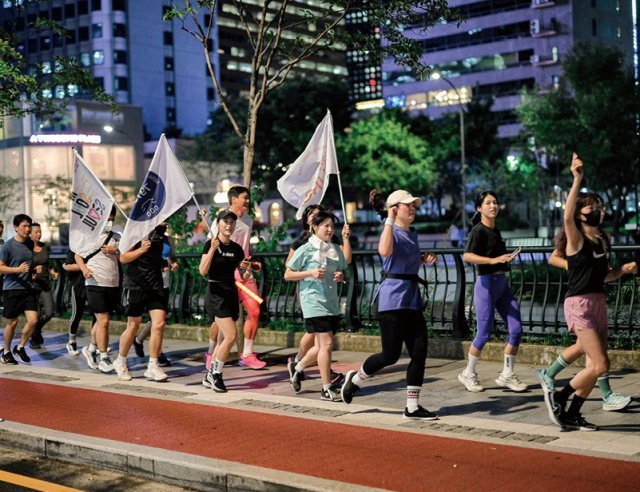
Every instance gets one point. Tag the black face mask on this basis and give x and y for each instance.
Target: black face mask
(593, 218)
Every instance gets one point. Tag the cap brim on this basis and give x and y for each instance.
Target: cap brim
(416, 201)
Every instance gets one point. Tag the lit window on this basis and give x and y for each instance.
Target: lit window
(46, 67)
(72, 89)
(59, 92)
(85, 59)
(98, 57)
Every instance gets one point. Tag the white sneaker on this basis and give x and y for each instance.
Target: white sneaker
(91, 358)
(512, 382)
(122, 371)
(471, 383)
(155, 372)
(72, 349)
(615, 402)
(105, 365)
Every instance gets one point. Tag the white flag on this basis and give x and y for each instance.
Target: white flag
(165, 189)
(91, 205)
(306, 180)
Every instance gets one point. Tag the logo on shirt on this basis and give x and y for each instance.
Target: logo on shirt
(151, 198)
(596, 255)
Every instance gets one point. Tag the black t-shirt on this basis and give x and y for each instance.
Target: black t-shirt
(75, 279)
(145, 272)
(588, 268)
(224, 262)
(304, 239)
(487, 242)
(42, 280)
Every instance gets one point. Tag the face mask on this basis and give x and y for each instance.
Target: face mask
(159, 231)
(593, 218)
(108, 226)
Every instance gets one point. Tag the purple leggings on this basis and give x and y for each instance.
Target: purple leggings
(492, 292)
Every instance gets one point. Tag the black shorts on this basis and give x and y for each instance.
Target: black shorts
(322, 324)
(221, 301)
(137, 302)
(102, 299)
(18, 301)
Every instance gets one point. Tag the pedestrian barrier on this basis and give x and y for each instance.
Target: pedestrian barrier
(449, 310)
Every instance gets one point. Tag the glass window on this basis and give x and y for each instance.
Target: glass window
(119, 5)
(83, 33)
(46, 67)
(32, 45)
(120, 56)
(83, 7)
(98, 57)
(71, 37)
(168, 63)
(60, 92)
(85, 59)
(99, 82)
(45, 42)
(169, 88)
(119, 30)
(121, 84)
(56, 14)
(69, 10)
(211, 94)
(96, 5)
(123, 163)
(96, 30)
(168, 38)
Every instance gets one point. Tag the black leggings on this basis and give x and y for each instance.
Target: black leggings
(78, 302)
(403, 325)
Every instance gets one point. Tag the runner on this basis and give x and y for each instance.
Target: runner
(399, 301)
(16, 258)
(102, 279)
(41, 284)
(308, 339)
(486, 249)
(78, 298)
(144, 291)
(318, 265)
(221, 259)
(611, 401)
(585, 307)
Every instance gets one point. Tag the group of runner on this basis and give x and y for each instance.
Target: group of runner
(317, 261)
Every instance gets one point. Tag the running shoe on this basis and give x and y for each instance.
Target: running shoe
(547, 383)
(251, 361)
(8, 358)
(615, 402)
(155, 373)
(577, 422)
(471, 383)
(34, 345)
(349, 389)
(329, 395)
(512, 382)
(163, 360)
(120, 365)
(72, 349)
(105, 365)
(294, 377)
(138, 347)
(337, 378)
(22, 354)
(207, 382)
(218, 384)
(420, 414)
(554, 409)
(92, 358)
(300, 373)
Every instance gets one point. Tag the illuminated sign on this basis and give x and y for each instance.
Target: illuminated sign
(65, 138)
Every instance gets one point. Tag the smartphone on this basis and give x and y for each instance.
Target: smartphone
(516, 252)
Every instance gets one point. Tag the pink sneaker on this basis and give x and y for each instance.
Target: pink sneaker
(208, 359)
(251, 361)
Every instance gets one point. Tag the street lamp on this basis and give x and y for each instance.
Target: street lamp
(463, 193)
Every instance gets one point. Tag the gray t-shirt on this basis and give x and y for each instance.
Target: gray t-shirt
(14, 253)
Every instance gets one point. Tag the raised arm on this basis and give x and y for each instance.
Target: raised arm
(385, 247)
(574, 237)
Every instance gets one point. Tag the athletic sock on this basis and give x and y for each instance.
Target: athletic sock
(558, 365)
(153, 361)
(216, 367)
(104, 355)
(72, 338)
(576, 405)
(509, 364)
(471, 365)
(604, 386)
(299, 367)
(212, 346)
(360, 377)
(413, 395)
(248, 348)
(92, 347)
(563, 396)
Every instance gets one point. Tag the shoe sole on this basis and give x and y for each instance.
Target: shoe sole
(105, 371)
(218, 390)
(478, 390)
(291, 371)
(124, 378)
(578, 428)
(543, 385)
(552, 416)
(504, 385)
(406, 417)
(615, 408)
(90, 363)
(157, 380)
(347, 379)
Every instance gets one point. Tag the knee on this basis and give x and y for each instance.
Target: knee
(159, 325)
(600, 368)
(480, 341)
(253, 310)
(515, 336)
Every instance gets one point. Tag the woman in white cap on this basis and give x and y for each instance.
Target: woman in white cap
(400, 302)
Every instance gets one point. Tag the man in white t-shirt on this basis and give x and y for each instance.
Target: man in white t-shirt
(102, 278)
(240, 201)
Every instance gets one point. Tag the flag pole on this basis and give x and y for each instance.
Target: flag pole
(344, 210)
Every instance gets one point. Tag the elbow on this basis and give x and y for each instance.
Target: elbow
(466, 258)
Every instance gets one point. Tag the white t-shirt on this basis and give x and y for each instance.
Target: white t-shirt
(104, 266)
(241, 234)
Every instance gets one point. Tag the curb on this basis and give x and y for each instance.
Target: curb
(171, 467)
(533, 354)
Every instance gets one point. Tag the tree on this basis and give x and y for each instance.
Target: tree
(37, 92)
(56, 194)
(593, 112)
(278, 41)
(381, 152)
(8, 195)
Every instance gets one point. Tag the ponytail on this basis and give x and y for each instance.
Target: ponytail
(377, 203)
(475, 220)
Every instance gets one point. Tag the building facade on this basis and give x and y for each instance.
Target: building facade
(503, 47)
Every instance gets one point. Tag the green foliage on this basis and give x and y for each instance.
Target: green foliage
(382, 152)
(275, 235)
(182, 228)
(8, 195)
(56, 194)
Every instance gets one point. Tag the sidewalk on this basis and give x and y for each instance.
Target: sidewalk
(46, 405)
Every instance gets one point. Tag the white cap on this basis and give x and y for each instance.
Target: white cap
(402, 196)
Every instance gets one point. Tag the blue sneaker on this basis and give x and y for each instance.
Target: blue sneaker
(547, 383)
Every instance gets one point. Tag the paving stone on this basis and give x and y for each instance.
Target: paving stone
(39, 375)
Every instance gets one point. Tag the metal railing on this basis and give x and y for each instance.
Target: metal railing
(449, 309)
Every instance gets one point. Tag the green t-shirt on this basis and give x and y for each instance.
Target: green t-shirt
(318, 297)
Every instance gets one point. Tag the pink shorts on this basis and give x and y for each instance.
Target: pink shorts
(586, 312)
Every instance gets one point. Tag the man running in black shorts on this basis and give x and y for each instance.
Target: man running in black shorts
(16, 259)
